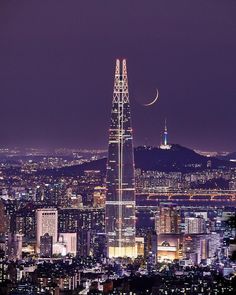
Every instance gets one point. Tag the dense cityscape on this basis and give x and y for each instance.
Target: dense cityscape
(117, 147)
(145, 220)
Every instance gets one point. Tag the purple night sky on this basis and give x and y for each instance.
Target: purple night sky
(57, 63)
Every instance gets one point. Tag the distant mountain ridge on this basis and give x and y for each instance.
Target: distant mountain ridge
(176, 159)
(231, 156)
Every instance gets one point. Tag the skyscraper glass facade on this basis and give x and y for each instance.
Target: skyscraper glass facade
(120, 198)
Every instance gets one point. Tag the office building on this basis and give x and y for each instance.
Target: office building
(47, 222)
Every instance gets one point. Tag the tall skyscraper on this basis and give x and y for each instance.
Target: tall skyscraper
(47, 223)
(120, 199)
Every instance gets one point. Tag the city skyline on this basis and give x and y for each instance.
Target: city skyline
(50, 89)
(129, 189)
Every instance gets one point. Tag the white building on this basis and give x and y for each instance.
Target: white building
(59, 248)
(70, 240)
(47, 222)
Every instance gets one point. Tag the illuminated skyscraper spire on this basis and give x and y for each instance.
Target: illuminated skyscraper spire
(120, 199)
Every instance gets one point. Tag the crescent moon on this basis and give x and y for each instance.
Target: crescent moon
(153, 101)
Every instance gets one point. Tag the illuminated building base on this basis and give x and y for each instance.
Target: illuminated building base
(167, 253)
(165, 147)
(114, 252)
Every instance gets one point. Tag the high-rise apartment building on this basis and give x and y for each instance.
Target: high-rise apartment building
(168, 220)
(195, 225)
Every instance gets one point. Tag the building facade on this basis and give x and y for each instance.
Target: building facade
(120, 198)
(168, 220)
(46, 246)
(47, 222)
